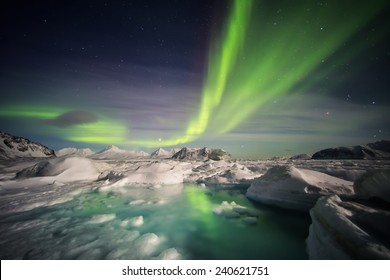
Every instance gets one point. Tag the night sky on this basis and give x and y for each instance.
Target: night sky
(258, 78)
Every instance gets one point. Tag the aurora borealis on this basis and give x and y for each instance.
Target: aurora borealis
(257, 78)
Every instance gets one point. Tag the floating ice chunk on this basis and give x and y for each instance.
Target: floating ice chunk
(137, 202)
(169, 254)
(97, 219)
(246, 211)
(117, 253)
(226, 209)
(147, 245)
(135, 222)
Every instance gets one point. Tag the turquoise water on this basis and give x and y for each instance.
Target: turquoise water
(179, 219)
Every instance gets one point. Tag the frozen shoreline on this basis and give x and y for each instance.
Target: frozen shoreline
(35, 183)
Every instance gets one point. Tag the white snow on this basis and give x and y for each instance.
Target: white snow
(150, 183)
(347, 230)
(12, 147)
(98, 219)
(147, 245)
(293, 188)
(74, 152)
(135, 222)
(161, 153)
(234, 211)
(114, 153)
(153, 173)
(169, 254)
(62, 170)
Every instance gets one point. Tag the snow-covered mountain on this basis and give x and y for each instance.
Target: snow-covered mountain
(161, 153)
(113, 152)
(201, 154)
(377, 150)
(74, 152)
(18, 147)
(300, 157)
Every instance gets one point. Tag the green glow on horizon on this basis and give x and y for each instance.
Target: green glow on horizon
(104, 130)
(31, 111)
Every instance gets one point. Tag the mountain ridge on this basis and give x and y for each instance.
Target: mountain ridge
(12, 147)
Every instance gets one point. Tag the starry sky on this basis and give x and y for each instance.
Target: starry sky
(258, 78)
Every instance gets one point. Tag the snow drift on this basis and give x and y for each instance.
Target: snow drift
(62, 169)
(298, 189)
(153, 173)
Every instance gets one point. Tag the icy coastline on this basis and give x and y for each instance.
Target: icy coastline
(341, 195)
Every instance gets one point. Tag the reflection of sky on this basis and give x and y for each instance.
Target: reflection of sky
(258, 78)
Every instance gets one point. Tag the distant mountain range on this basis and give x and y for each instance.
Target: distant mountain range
(377, 150)
(74, 152)
(12, 147)
(115, 153)
(161, 153)
(201, 154)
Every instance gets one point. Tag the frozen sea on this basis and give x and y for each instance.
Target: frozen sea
(163, 222)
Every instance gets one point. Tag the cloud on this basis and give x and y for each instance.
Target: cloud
(73, 118)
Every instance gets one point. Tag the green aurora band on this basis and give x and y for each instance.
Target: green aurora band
(94, 132)
(264, 52)
(261, 58)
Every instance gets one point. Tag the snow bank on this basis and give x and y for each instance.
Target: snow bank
(298, 189)
(62, 169)
(154, 173)
(375, 184)
(219, 172)
(232, 175)
(347, 230)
